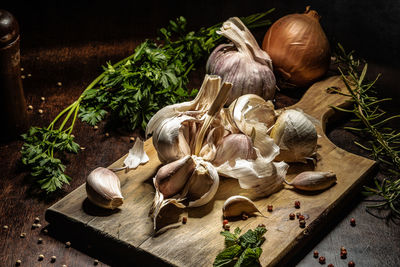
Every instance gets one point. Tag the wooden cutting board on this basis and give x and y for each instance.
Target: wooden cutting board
(128, 231)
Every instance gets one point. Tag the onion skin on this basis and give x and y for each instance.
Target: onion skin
(299, 48)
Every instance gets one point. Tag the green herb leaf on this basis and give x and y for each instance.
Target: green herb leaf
(227, 256)
(249, 258)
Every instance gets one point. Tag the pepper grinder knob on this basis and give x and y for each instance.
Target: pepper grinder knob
(13, 113)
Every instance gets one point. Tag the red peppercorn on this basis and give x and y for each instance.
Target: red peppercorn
(316, 254)
(331, 265)
(302, 223)
(351, 264)
(270, 207)
(298, 214)
(297, 204)
(184, 220)
(224, 222)
(301, 217)
(343, 255)
(342, 248)
(321, 260)
(292, 216)
(353, 222)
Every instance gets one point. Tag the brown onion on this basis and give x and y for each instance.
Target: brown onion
(298, 48)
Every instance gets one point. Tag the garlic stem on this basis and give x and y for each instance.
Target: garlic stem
(216, 106)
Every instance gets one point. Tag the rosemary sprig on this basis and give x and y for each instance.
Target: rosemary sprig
(131, 91)
(383, 143)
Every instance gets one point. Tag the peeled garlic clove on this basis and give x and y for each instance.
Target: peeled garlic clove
(172, 177)
(237, 205)
(103, 188)
(296, 136)
(313, 180)
(202, 185)
(234, 146)
(136, 155)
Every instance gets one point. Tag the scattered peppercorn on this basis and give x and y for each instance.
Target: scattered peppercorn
(29, 75)
(53, 258)
(269, 207)
(36, 220)
(316, 254)
(297, 204)
(302, 223)
(22, 69)
(321, 260)
(67, 244)
(342, 248)
(38, 225)
(95, 127)
(40, 241)
(22, 76)
(30, 107)
(351, 264)
(227, 227)
(224, 222)
(261, 225)
(298, 214)
(301, 217)
(96, 262)
(244, 216)
(107, 135)
(184, 219)
(292, 216)
(330, 265)
(41, 257)
(83, 148)
(353, 222)
(45, 231)
(131, 139)
(34, 226)
(42, 98)
(18, 262)
(5, 227)
(40, 111)
(343, 254)
(22, 235)
(59, 84)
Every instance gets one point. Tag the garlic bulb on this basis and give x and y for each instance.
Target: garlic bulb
(242, 63)
(234, 146)
(295, 135)
(103, 188)
(237, 205)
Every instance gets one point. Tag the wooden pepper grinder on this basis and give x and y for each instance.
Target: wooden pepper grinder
(13, 113)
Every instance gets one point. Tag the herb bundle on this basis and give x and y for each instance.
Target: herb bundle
(241, 250)
(384, 141)
(130, 91)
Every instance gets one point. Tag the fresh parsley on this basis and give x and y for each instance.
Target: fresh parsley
(128, 92)
(241, 250)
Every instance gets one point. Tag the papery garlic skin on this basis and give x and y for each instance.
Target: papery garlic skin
(295, 135)
(242, 63)
(136, 155)
(103, 188)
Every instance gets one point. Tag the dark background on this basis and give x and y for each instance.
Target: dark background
(68, 41)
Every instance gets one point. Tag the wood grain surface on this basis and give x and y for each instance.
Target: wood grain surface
(130, 225)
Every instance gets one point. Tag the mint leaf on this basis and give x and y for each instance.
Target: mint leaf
(230, 239)
(227, 256)
(252, 238)
(249, 258)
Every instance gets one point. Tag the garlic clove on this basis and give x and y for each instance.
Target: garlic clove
(261, 175)
(237, 205)
(202, 185)
(234, 146)
(136, 155)
(172, 177)
(296, 136)
(103, 188)
(313, 180)
(214, 138)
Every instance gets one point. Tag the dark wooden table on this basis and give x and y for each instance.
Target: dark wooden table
(372, 242)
